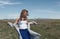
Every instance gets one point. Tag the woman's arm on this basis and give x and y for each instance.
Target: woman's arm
(17, 20)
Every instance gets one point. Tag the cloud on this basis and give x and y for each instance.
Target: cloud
(4, 3)
(12, 16)
(9, 16)
(48, 11)
(7, 3)
(45, 13)
(57, 3)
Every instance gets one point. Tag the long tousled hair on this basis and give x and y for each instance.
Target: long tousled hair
(22, 14)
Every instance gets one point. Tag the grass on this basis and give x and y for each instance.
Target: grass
(48, 28)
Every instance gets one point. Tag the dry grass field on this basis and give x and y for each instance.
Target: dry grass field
(48, 28)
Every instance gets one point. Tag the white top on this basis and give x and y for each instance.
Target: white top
(23, 24)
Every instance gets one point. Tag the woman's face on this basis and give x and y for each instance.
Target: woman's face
(25, 14)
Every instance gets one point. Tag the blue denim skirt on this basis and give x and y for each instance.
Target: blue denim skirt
(25, 33)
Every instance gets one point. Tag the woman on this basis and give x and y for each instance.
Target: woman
(22, 22)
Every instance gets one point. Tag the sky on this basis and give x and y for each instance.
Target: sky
(11, 9)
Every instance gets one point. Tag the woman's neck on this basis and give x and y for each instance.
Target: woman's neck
(23, 19)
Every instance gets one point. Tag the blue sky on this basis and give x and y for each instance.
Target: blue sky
(10, 9)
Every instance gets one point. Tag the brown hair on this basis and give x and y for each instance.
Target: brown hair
(22, 14)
